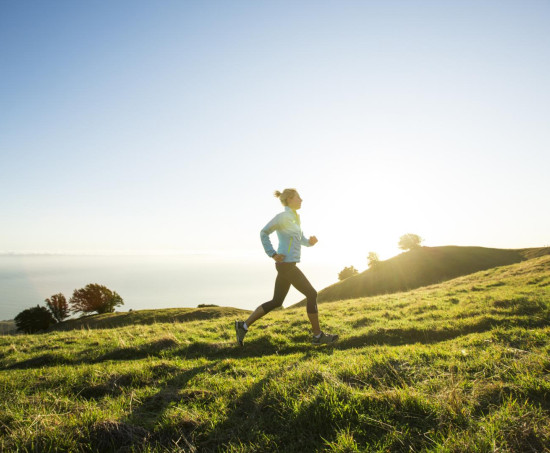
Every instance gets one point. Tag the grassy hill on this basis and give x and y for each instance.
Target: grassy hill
(145, 317)
(421, 267)
(7, 327)
(460, 366)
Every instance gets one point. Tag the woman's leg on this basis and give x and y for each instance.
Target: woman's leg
(256, 314)
(282, 285)
(302, 284)
(314, 320)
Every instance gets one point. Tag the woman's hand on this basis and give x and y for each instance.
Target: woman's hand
(312, 240)
(278, 258)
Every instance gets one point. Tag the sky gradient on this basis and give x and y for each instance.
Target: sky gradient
(164, 127)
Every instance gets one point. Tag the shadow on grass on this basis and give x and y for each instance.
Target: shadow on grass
(403, 336)
(40, 361)
(112, 388)
(263, 420)
(109, 436)
(155, 348)
(258, 347)
(248, 418)
(151, 409)
(118, 384)
(134, 353)
(137, 431)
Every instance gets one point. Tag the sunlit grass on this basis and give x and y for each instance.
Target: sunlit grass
(459, 366)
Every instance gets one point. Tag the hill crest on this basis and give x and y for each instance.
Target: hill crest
(421, 267)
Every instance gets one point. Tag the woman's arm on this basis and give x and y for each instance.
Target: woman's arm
(272, 225)
(308, 242)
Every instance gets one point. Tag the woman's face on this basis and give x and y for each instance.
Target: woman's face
(295, 202)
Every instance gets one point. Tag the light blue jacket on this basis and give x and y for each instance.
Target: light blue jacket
(291, 236)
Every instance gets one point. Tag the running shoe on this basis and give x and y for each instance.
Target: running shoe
(240, 331)
(325, 338)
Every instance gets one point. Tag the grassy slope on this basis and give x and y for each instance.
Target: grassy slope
(144, 317)
(459, 366)
(7, 327)
(421, 267)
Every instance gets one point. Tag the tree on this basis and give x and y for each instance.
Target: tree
(96, 298)
(347, 272)
(58, 306)
(373, 260)
(34, 319)
(409, 241)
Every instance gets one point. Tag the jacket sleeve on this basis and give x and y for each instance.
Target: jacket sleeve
(305, 241)
(272, 225)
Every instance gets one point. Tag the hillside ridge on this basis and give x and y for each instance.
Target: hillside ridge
(421, 267)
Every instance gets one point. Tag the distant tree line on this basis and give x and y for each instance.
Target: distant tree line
(92, 298)
(406, 242)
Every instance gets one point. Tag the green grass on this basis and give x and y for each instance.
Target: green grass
(461, 366)
(144, 317)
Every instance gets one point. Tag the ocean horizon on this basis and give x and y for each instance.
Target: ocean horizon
(149, 281)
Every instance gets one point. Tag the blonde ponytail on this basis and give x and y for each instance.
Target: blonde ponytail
(285, 195)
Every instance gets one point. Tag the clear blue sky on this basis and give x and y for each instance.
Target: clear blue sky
(166, 126)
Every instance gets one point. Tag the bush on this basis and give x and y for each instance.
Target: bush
(34, 319)
(409, 241)
(347, 272)
(58, 306)
(96, 298)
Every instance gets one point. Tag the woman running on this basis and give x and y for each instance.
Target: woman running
(291, 239)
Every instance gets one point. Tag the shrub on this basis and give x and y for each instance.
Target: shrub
(96, 298)
(34, 319)
(347, 272)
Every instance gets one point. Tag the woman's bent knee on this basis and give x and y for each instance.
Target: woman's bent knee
(312, 307)
(271, 305)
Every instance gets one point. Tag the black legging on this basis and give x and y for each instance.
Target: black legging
(289, 274)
